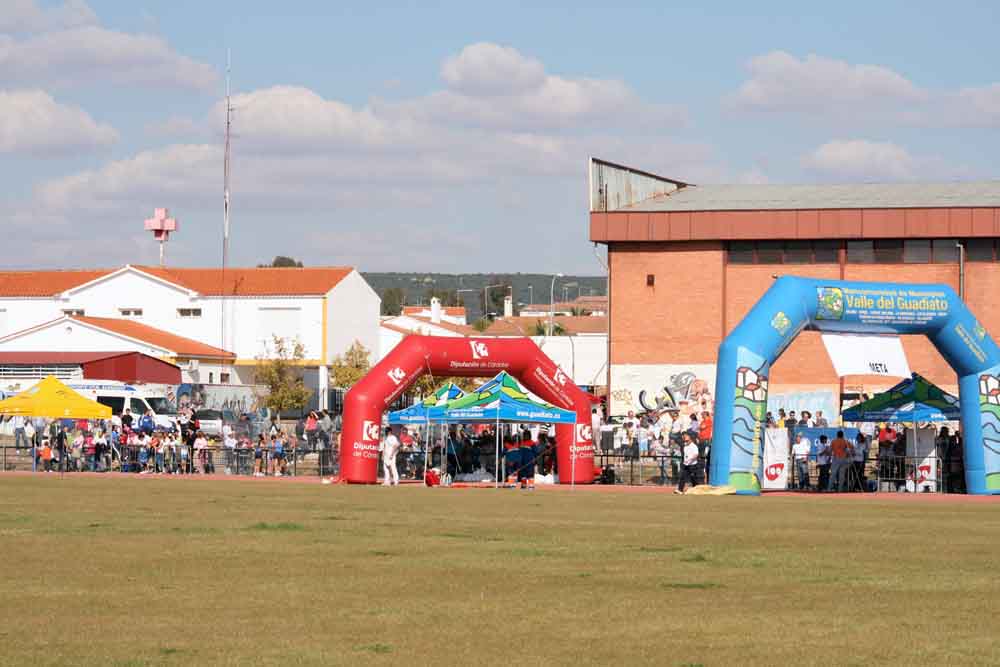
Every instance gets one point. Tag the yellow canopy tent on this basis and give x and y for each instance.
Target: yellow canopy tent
(51, 398)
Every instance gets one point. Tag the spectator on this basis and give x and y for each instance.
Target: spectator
(325, 428)
(258, 456)
(126, 420)
(20, 434)
(641, 437)
(390, 447)
(842, 452)
(820, 421)
(277, 455)
(860, 455)
(689, 468)
(147, 423)
(800, 455)
(823, 463)
(780, 421)
(46, 455)
(312, 424)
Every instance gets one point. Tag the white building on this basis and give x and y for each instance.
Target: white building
(239, 311)
(581, 350)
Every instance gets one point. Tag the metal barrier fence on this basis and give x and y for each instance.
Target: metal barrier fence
(884, 473)
(211, 460)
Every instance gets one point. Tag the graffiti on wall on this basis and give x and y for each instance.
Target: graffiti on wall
(649, 387)
(239, 399)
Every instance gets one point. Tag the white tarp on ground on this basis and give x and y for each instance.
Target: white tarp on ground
(867, 355)
(775, 459)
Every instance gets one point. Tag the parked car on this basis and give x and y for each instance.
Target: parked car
(210, 421)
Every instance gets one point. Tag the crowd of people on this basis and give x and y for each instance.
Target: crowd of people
(130, 443)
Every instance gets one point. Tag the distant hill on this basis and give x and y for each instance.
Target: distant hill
(527, 287)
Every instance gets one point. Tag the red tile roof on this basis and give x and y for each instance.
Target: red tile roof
(309, 281)
(57, 358)
(454, 311)
(44, 283)
(180, 346)
(526, 326)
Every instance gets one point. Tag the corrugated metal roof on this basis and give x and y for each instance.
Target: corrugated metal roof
(790, 197)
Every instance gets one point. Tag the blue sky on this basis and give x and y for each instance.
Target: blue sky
(455, 137)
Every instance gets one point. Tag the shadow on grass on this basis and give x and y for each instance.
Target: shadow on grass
(695, 558)
(284, 526)
(374, 648)
(690, 585)
(658, 550)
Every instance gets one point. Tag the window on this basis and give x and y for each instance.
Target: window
(740, 252)
(116, 403)
(650, 280)
(945, 251)
(916, 251)
(826, 252)
(3, 321)
(769, 252)
(73, 312)
(130, 312)
(889, 251)
(189, 312)
(138, 407)
(860, 252)
(224, 378)
(979, 250)
(798, 252)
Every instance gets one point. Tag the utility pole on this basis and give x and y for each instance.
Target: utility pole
(225, 198)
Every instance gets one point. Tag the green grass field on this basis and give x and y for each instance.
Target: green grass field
(176, 572)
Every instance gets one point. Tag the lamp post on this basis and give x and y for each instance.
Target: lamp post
(531, 294)
(568, 286)
(486, 299)
(552, 301)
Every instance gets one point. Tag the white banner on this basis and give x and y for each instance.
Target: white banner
(867, 355)
(775, 459)
(921, 446)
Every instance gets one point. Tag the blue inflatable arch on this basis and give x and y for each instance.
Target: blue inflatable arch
(793, 305)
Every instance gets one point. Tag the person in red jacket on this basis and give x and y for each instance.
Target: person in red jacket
(705, 438)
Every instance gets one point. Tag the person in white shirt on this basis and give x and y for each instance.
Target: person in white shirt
(800, 454)
(390, 446)
(689, 469)
(20, 435)
(823, 462)
(861, 445)
(679, 425)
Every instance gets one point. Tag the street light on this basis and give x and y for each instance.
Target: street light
(552, 299)
(531, 294)
(486, 299)
(567, 287)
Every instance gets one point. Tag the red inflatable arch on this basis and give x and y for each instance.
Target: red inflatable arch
(464, 357)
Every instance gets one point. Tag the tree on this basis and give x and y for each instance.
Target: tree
(497, 296)
(281, 372)
(282, 262)
(348, 368)
(448, 297)
(578, 311)
(426, 384)
(392, 301)
(542, 327)
(481, 325)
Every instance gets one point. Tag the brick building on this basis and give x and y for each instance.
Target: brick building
(687, 262)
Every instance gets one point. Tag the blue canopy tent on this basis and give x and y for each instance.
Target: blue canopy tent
(912, 401)
(431, 409)
(503, 400)
(427, 412)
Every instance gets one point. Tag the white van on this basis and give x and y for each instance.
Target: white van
(119, 395)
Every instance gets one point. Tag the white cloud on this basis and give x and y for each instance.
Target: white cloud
(89, 54)
(313, 163)
(781, 82)
(863, 160)
(490, 69)
(493, 86)
(846, 93)
(20, 16)
(32, 122)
